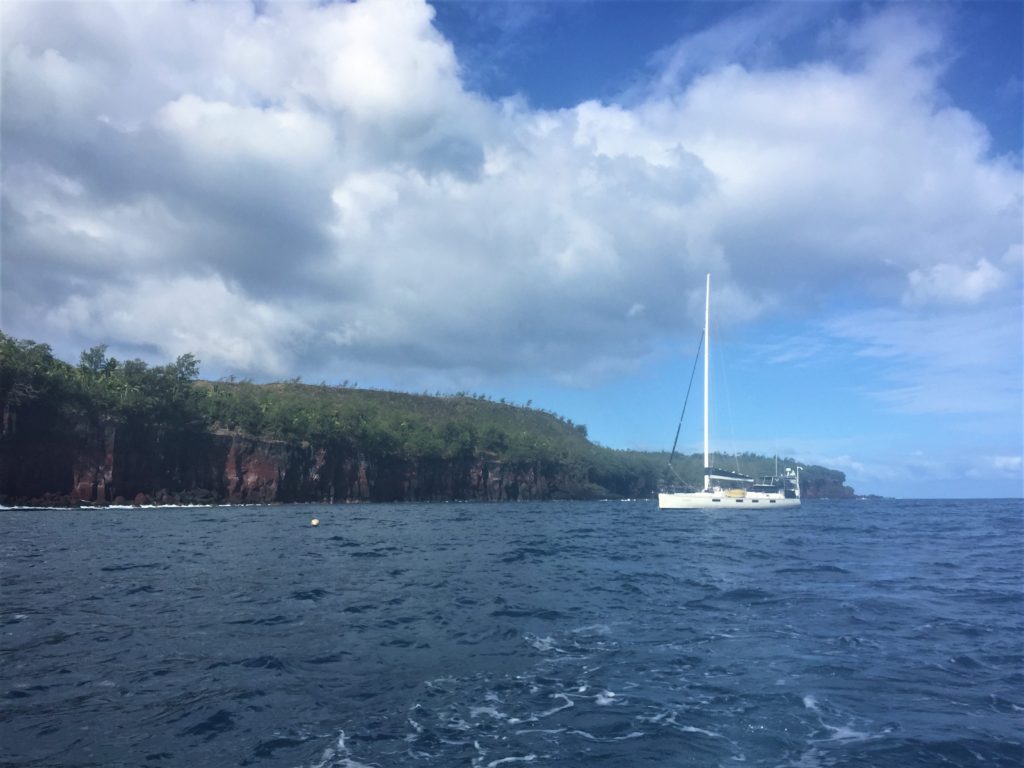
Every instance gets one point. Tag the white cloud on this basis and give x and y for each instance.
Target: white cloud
(1007, 464)
(859, 471)
(1003, 472)
(369, 74)
(954, 283)
(323, 173)
(751, 35)
(218, 131)
(226, 328)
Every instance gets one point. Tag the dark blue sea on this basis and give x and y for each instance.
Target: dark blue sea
(857, 633)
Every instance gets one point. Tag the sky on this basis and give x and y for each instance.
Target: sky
(523, 199)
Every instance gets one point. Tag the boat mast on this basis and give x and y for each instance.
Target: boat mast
(707, 347)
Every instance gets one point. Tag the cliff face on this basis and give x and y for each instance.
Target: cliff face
(121, 464)
(832, 487)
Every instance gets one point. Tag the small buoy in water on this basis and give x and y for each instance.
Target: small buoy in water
(314, 522)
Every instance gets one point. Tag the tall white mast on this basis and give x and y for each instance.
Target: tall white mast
(707, 347)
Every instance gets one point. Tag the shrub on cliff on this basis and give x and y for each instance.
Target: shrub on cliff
(132, 392)
(38, 392)
(54, 396)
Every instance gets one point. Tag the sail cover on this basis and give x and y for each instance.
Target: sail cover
(726, 474)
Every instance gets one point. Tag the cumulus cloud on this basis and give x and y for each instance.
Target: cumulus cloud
(248, 334)
(954, 283)
(301, 187)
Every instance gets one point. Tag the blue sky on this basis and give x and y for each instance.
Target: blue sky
(522, 199)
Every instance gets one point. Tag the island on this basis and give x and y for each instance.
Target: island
(124, 432)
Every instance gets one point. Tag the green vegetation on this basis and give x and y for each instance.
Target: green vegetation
(48, 396)
(424, 427)
(53, 396)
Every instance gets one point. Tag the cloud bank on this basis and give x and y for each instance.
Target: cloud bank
(313, 188)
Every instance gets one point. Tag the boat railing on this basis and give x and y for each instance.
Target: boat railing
(677, 488)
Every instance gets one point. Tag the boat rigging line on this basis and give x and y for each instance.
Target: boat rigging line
(689, 386)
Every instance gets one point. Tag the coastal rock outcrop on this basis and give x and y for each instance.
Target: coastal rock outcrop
(118, 464)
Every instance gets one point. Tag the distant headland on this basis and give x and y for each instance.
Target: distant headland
(109, 431)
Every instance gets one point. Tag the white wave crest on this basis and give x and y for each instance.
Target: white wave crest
(504, 760)
(337, 756)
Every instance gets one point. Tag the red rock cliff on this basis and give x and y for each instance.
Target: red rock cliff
(121, 464)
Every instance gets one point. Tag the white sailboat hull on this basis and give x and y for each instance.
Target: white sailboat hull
(722, 500)
(773, 492)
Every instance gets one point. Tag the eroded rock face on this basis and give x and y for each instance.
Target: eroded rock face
(829, 488)
(121, 463)
(93, 467)
(253, 470)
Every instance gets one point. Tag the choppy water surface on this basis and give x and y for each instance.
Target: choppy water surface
(559, 634)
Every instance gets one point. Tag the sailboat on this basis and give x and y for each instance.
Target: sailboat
(724, 488)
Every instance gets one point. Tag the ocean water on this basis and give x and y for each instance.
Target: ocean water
(856, 633)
